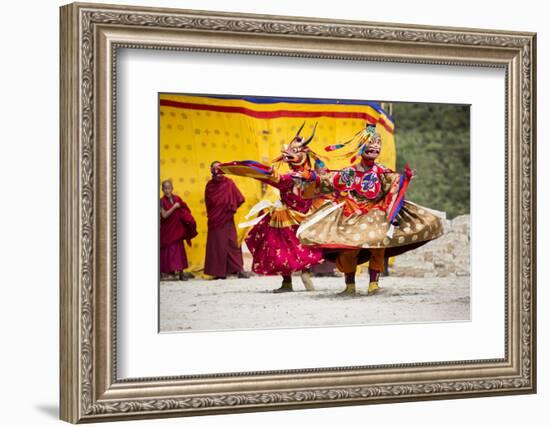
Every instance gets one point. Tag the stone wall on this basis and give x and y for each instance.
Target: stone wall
(447, 256)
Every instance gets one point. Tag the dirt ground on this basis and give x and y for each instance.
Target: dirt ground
(250, 304)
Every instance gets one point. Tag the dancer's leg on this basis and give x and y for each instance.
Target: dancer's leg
(306, 280)
(376, 265)
(286, 286)
(346, 262)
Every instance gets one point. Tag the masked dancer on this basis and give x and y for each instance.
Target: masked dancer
(365, 216)
(272, 239)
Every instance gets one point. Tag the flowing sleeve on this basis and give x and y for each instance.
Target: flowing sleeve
(251, 169)
(394, 186)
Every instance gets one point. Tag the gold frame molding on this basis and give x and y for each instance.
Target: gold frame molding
(90, 37)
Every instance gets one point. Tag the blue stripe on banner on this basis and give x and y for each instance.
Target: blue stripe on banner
(276, 99)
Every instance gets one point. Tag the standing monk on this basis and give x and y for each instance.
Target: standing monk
(223, 252)
(176, 225)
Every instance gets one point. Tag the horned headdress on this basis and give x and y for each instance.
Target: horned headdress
(359, 143)
(299, 147)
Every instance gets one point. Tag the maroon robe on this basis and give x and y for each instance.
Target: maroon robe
(177, 227)
(223, 252)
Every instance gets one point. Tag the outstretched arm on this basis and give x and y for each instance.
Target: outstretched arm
(314, 184)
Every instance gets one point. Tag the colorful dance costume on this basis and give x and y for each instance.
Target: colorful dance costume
(272, 240)
(365, 216)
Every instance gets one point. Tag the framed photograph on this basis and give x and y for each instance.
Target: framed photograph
(266, 212)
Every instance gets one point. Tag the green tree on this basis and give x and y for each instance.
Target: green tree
(434, 139)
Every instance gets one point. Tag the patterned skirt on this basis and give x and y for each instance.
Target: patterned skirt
(275, 248)
(330, 228)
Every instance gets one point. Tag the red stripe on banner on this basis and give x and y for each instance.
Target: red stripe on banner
(274, 114)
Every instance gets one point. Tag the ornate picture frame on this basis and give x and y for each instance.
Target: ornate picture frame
(90, 37)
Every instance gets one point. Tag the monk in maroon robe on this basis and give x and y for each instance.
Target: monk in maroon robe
(223, 252)
(176, 225)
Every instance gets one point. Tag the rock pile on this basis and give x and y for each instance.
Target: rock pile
(447, 256)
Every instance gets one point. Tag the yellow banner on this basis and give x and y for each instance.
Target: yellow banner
(197, 130)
